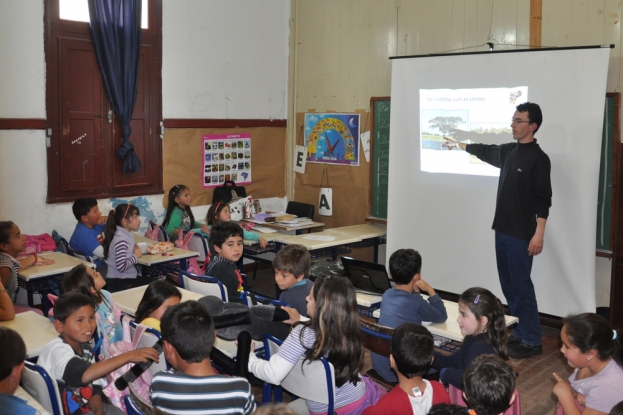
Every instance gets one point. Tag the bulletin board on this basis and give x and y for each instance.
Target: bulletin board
(183, 161)
(350, 184)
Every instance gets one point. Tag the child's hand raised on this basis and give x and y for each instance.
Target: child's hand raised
(102, 220)
(137, 251)
(143, 354)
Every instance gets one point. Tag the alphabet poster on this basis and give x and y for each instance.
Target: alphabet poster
(332, 138)
(226, 157)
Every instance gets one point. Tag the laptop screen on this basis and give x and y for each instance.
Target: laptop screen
(366, 276)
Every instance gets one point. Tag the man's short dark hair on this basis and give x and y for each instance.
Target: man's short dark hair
(534, 113)
(189, 328)
(224, 230)
(404, 264)
(82, 207)
(447, 409)
(12, 351)
(294, 259)
(68, 303)
(412, 349)
(489, 384)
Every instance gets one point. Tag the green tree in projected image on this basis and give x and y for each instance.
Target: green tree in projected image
(445, 124)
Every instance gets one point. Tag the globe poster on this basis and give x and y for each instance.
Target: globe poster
(332, 138)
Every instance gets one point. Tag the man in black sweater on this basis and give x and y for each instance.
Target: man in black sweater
(523, 202)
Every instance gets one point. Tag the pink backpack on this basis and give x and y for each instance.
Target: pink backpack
(153, 232)
(38, 243)
(182, 243)
(141, 385)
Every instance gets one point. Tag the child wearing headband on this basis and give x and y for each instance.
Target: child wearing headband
(219, 212)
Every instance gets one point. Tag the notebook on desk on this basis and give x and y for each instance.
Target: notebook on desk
(367, 277)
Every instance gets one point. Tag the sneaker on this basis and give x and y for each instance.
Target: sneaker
(524, 351)
(512, 340)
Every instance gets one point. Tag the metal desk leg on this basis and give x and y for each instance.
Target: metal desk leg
(376, 251)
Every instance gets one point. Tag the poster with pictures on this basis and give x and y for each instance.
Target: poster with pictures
(332, 138)
(226, 157)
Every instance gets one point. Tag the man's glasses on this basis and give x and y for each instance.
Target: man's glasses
(519, 121)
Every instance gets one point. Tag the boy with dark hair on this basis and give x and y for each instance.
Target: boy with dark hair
(226, 239)
(411, 356)
(404, 303)
(89, 228)
(291, 265)
(489, 385)
(447, 409)
(188, 334)
(12, 356)
(70, 358)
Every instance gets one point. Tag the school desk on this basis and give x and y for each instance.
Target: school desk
(319, 244)
(44, 278)
(176, 254)
(128, 301)
(370, 235)
(22, 394)
(450, 329)
(287, 228)
(36, 330)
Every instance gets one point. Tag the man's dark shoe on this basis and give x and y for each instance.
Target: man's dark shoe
(524, 351)
(512, 341)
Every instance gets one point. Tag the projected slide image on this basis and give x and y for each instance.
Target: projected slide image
(465, 116)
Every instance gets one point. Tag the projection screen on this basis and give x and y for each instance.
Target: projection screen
(442, 203)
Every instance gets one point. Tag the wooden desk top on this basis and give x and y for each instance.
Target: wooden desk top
(36, 330)
(62, 263)
(149, 259)
(309, 225)
(314, 240)
(450, 329)
(364, 231)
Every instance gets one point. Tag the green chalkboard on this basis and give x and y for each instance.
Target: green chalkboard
(606, 174)
(379, 153)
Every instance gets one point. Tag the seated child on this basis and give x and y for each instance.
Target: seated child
(489, 385)
(226, 238)
(7, 310)
(219, 212)
(447, 409)
(88, 231)
(179, 215)
(158, 297)
(291, 266)
(70, 358)
(411, 355)
(193, 386)
(86, 280)
(12, 356)
(12, 243)
(404, 304)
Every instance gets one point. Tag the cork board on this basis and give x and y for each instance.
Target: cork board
(183, 161)
(350, 184)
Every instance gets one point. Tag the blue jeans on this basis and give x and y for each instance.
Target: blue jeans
(514, 267)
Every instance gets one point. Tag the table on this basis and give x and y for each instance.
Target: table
(370, 235)
(128, 301)
(314, 242)
(450, 329)
(287, 228)
(44, 278)
(36, 330)
(150, 260)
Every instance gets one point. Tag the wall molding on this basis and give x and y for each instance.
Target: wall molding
(23, 123)
(222, 123)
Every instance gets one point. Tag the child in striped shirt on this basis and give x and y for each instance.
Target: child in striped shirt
(192, 386)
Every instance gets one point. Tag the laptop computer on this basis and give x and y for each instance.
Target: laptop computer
(367, 277)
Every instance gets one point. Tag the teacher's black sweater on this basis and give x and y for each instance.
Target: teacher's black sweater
(524, 188)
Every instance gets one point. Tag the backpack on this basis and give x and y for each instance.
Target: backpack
(141, 384)
(182, 243)
(152, 231)
(38, 243)
(223, 193)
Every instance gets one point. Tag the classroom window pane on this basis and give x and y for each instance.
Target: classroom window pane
(78, 11)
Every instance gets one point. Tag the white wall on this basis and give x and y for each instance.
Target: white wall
(225, 58)
(222, 59)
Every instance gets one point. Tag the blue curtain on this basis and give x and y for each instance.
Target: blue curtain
(116, 30)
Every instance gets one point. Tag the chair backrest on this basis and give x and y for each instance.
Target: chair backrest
(63, 246)
(304, 378)
(248, 299)
(302, 210)
(203, 285)
(79, 254)
(131, 407)
(162, 235)
(376, 338)
(38, 383)
(199, 244)
(148, 339)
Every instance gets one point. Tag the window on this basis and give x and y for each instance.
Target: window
(85, 134)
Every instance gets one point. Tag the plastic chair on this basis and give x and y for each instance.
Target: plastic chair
(79, 255)
(248, 299)
(148, 339)
(203, 285)
(456, 397)
(302, 210)
(38, 383)
(162, 235)
(62, 245)
(377, 339)
(303, 380)
(199, 244)
(131, 407)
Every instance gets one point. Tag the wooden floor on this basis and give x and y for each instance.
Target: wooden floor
(535, 381)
